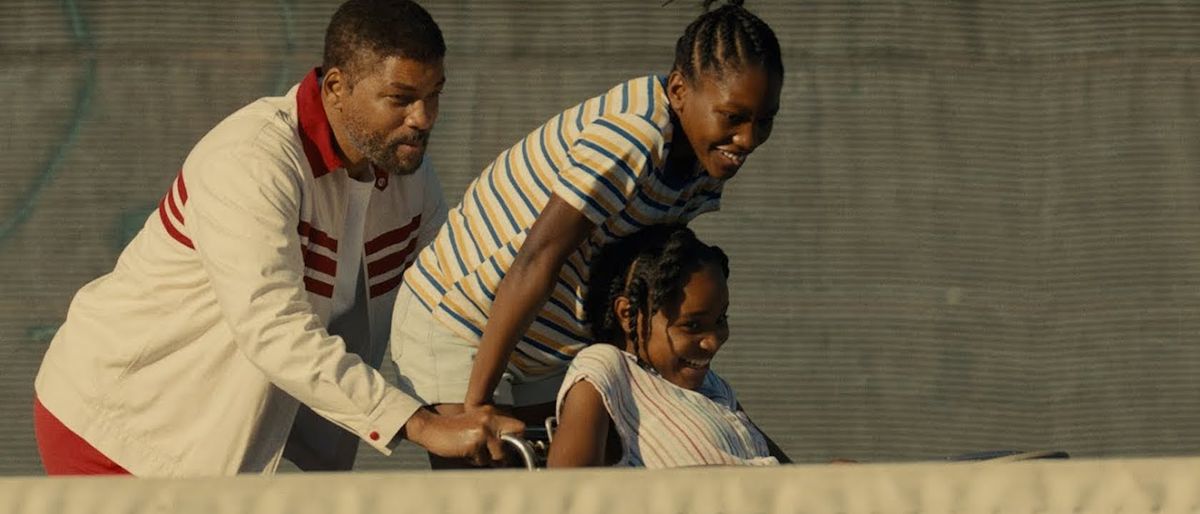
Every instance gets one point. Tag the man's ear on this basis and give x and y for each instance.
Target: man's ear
(335, 86)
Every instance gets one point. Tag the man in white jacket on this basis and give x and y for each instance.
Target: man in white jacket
(263, 284)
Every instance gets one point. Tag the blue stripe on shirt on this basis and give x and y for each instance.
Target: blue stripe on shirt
(629, 138)
(649, 96)
(496, 192)
(512, 179)
(537, 179)
(484, 216)
(562, 141)
(629, 173)
(589, 200)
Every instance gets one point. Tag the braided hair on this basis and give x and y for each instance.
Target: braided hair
(650, 268)
(724, 38)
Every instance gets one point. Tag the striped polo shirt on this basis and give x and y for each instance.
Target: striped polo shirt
(663, 425)
(606, 158)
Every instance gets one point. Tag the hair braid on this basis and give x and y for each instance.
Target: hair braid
(636, 292)
(650, 269)
(727, 37)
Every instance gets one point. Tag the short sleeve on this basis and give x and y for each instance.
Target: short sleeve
(606, 161)
(606, 369)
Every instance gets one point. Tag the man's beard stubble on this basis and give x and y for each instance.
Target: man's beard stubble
(382, 154)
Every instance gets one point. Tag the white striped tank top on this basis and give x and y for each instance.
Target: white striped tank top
(663, 425)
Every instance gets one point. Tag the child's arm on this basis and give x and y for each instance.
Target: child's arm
(559, 230)
(583, 424)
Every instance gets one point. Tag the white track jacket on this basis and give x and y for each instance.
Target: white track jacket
(192, 356)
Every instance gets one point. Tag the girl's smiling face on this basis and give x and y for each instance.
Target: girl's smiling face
(681, 342)
(725, 116)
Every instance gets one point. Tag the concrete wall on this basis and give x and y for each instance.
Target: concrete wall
(976, 226)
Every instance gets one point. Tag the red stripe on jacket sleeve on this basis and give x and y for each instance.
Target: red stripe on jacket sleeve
(171, 230)
(182, 188)
(174, 208)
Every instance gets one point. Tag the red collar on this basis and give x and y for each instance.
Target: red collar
(315, 133)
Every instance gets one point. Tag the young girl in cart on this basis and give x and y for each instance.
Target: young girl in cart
(643, 394)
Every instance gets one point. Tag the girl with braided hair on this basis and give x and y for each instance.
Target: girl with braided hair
(492, 310)
(644, 395)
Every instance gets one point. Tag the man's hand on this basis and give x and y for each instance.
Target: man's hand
(474, 435)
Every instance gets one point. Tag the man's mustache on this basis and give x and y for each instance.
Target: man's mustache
(415, 140)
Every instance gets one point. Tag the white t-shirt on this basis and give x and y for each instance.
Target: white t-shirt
(350, 248)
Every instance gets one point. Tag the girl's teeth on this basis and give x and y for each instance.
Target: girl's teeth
(733, 157)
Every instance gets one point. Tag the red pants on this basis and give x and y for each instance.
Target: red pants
(63, 452)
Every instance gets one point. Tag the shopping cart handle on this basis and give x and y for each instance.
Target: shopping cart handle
(534, 445)
(523, 448)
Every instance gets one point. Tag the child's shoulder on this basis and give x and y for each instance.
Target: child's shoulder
(643, 97)
(604, 365)
(718, 390)
(643, 85)
(602, 353)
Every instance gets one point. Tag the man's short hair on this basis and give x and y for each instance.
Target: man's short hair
(364, 31)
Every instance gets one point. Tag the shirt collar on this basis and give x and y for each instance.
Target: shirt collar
(316, 135)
